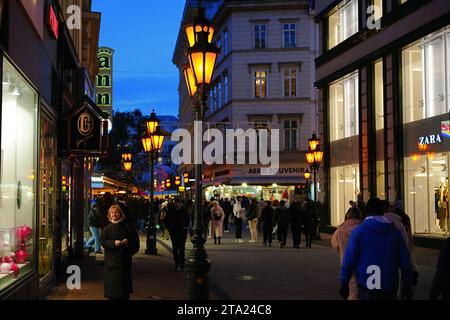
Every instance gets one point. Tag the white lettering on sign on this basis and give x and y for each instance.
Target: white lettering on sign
(431, 139)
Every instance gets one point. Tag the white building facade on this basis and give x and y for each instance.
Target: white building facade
(264, 78)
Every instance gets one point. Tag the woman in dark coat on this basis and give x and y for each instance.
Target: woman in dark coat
(267, 217)
(177, 222)
(282, 219)
(308, 222)
(121, 242)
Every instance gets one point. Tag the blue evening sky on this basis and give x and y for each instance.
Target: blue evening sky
(143, 34)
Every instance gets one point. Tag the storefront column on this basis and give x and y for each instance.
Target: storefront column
(390, 130)
(365, 171)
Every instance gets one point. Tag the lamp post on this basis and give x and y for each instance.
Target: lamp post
(127, 165)
(314, 157)
(152, 142)
(202, 55)
(307, 176)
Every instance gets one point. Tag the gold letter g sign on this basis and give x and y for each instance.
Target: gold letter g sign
(85, 124)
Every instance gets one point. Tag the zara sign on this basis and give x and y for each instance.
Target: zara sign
(430, 139)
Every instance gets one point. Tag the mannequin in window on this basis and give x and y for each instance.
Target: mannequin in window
(443, 204)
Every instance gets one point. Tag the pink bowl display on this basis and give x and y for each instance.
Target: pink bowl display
(5, 267)
(21, 256)
(23, 233)
(14, 268)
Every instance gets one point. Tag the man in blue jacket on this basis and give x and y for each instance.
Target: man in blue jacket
(375, 253)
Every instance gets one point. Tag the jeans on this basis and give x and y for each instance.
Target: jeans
(94, 239)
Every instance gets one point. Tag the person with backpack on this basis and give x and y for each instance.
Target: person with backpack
(375, 253)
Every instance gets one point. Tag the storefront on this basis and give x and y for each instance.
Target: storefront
(426, 131)
(286, 182)
(19, 238)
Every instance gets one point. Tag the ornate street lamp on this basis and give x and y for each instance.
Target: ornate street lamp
(186, 178)
(152, 142)
(307, 175)
(313, 141)
(202, 56)
(314, 157)
(177, 181)
(197, 25)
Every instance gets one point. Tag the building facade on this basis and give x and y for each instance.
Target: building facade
(263, 80)
(42, 79)
(383, 80)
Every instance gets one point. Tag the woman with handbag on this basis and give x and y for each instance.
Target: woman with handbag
(217, 217)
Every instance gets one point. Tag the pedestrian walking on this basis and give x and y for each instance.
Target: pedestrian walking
(339, 242)
(376, 251)
(261, 205)
(94, 227)
(267, 217)
(217, 217)
(162, 219)
(406, 223)
(308, 225)
(120, 241)
(282, 220)
(228, 210)
(295, 213)
(239, 214)
(252, 218)
(441, 281)
(177, 223)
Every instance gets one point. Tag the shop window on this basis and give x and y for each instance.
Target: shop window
(17, 176)
(426, 90)
(426, 86)
(344, 108)
(426, 193)
(342, 23)
(379, 126)
(47, 188)
(344, 187)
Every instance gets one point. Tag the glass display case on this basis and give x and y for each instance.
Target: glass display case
(18, 163)
(16, 253)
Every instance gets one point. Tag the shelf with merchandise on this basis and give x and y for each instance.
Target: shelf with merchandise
(16, 254)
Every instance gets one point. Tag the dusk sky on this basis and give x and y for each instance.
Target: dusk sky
(143, 34)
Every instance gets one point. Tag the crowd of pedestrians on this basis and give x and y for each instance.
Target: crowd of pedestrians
(374, 243)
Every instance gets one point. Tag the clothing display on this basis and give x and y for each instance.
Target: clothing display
(441, 194)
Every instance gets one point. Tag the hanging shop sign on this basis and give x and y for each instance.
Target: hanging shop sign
(87, 129)
(104, 80)
(53, 22)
